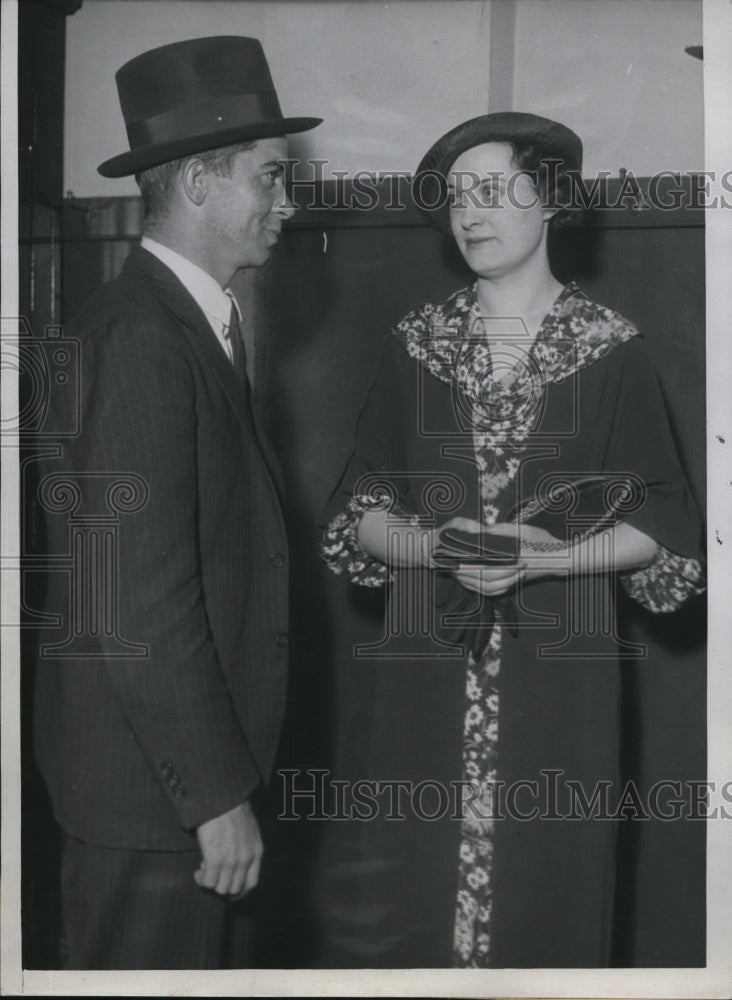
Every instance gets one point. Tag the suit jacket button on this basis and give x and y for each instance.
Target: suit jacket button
(277, 559)
(282, 639)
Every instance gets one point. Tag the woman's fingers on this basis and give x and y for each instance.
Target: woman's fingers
(488, 573)
(528, 533)
(463, 524)
(489, 582)
(504, 528)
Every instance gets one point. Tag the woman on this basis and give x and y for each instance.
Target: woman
(515, 396)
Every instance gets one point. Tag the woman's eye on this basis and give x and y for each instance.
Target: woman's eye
(488, 195)
(482, 196)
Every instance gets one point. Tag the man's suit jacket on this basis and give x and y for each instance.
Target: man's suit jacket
(137, 751)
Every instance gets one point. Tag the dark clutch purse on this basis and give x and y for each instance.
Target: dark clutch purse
(569, 509)
(475, 547)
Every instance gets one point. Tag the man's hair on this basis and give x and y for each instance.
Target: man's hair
(158, 183)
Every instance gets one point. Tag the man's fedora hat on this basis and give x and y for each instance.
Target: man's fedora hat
(191, 96)
(553, 141)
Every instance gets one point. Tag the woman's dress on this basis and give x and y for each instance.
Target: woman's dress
(527, 731)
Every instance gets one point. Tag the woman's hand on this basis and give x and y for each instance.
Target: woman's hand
(493, 581)
(528, 534)
(618, 549)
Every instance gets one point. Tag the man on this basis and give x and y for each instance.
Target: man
(158, 711)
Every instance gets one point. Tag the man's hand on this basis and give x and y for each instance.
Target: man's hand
(232, 850)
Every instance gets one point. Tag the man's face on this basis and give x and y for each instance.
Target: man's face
(244, 212)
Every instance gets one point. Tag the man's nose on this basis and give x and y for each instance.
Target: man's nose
(284, 206)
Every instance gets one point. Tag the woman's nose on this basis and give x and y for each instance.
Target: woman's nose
(470, 216)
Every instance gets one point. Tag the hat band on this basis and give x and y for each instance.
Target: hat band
(207, 117)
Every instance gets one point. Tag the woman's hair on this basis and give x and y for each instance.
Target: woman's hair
(552, 180)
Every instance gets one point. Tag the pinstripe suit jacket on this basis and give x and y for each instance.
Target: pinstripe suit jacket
(160, 705)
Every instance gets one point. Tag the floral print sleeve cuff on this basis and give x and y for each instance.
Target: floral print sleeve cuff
(666, 582)
(340, 547)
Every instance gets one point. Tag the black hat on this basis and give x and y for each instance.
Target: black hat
(191, 96)
(554, 141)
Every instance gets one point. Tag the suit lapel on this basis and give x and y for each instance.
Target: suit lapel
(172, 293)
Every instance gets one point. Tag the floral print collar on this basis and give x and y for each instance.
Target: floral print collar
(449, 340)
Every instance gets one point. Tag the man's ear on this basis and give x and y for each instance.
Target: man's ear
(194, 180)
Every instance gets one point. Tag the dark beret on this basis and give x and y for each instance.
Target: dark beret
(553, 140)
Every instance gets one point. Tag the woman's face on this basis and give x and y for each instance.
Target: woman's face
(495, 211)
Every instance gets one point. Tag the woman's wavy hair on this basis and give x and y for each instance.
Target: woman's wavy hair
(552, 180)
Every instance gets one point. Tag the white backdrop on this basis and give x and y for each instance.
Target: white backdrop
(389, 78)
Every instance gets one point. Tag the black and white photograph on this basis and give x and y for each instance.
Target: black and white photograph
(366, 498)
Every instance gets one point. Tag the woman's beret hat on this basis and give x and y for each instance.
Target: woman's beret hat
(553, 140)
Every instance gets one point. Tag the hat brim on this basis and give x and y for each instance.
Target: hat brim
(553, 139)
(136, 160)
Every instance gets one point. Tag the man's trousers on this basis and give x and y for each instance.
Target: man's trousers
(127, 909)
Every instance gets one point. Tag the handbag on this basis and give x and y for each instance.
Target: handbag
(588, 503)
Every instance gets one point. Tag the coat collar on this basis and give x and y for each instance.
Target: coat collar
(448, 340)
(170, 291)
(144, 266)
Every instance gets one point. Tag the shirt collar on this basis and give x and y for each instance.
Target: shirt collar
(207, 292)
